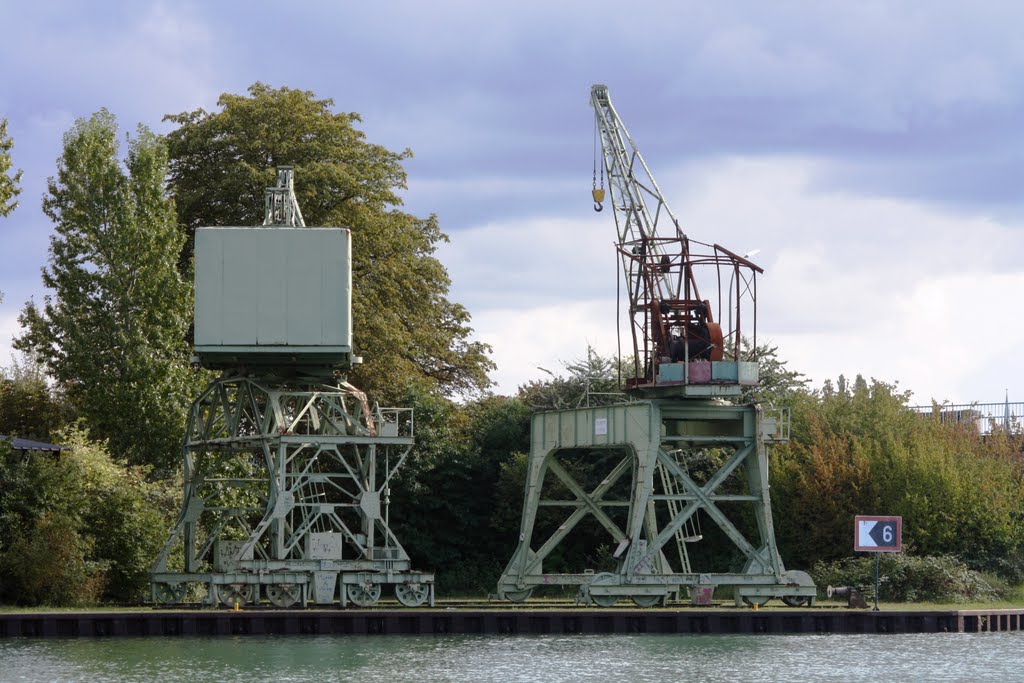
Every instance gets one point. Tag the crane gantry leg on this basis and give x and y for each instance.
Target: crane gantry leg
(600, 463)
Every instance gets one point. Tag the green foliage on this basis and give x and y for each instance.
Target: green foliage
(859, 450)
(48, 565)
(444, 497)
(113, 333)
(9, 184)
(405, 327)
(593, 380)
(778, 385)
(77, 527)
(509, 494)
(907, 578)
(29, 408)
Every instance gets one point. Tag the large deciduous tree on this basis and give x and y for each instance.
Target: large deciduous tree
(9, 184)
(112, 333)
(405, 326)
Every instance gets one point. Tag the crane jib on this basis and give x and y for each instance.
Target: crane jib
(665, 271)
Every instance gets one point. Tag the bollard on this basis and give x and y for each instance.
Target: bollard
(854, 598)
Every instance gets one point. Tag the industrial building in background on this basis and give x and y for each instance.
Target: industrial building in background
(286, 466)
(684, 456)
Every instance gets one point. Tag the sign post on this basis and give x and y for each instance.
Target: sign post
(877, 534)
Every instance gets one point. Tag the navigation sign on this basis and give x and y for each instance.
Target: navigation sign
(875, 534)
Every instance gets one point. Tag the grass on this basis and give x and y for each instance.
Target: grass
(927, 606)
(1014, 600)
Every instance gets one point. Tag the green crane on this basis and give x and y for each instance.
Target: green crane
(286, 466)
(684, 454)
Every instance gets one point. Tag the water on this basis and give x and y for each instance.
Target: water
(287, 659)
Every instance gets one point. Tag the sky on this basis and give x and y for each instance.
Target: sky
(872, 152)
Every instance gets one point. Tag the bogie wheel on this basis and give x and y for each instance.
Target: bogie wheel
(756, 600)
(519, 596)
(363, 594)
(170, 593)
(412, 594)
(284, 594)
(235, 594)
(796, 600)
(604, 600)
(646, 600)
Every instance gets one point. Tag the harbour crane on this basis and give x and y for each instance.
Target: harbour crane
(685, 446)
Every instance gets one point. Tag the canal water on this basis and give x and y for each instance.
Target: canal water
(367, 659)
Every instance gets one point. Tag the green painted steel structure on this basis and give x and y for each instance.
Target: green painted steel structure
(631, 468)
(286, 466)
(686, 452)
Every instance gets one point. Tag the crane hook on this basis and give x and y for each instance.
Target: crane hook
(598, 198)
(598, 207)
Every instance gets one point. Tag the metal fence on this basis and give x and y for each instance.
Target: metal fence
(983, 417)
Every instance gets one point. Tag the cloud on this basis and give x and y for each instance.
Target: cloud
(871, 150)
(9, 328)
(545, 334)
(498, 264)
(745, 58)
(130, 58)
(892, 289)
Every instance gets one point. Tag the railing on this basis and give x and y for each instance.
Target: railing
(393, 422)
(775, 424)
(982, 417)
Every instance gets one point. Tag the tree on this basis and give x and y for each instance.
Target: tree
(858, 449)
(447, 505)
(112, 334)
(28, 406)
(594, 380)
(405, 326)
(9, 184)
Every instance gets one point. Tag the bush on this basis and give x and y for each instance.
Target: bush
(77, 527)
(857, 449)
(48, 566)
(906, 578)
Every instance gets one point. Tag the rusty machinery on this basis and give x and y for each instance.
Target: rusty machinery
(686, 453)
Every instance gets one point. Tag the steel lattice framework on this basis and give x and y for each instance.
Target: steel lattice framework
(670, 318)
(286, 468)
(625, 469)
(273, 471)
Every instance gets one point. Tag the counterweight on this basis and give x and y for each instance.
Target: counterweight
(286, 466)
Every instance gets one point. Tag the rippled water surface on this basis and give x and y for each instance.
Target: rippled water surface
(924, 657)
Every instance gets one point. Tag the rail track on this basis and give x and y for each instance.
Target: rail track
(391, 605)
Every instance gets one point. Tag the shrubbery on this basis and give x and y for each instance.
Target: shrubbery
(78, 527)
(860, 450)
(906, 578)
